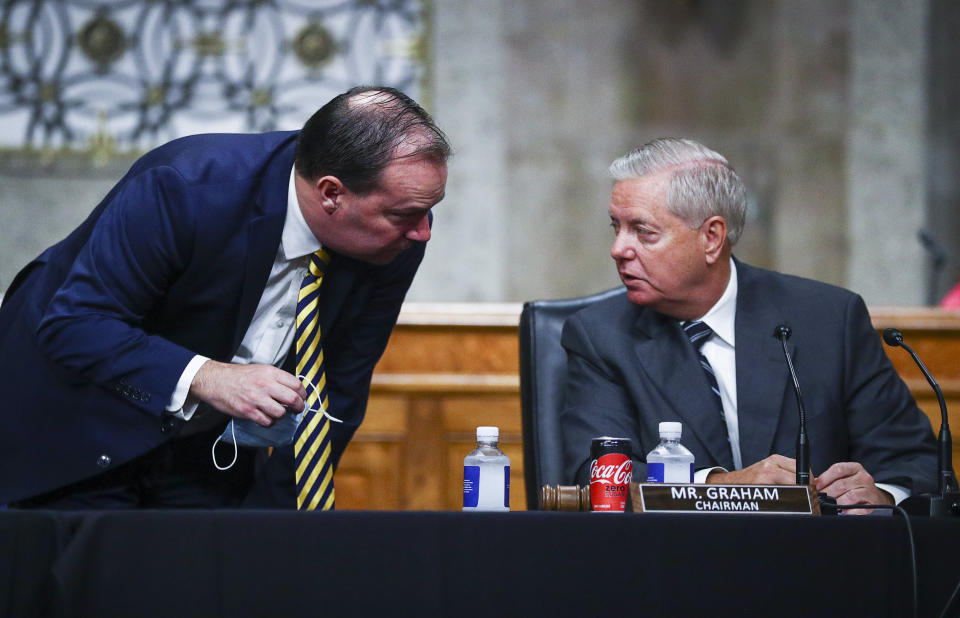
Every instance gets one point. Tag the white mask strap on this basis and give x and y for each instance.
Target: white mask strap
(319, 402)
(213, 449)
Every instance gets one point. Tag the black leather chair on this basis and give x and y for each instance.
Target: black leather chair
(543, 366)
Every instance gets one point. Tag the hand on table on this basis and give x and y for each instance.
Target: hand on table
(774, 470)
(850, 483)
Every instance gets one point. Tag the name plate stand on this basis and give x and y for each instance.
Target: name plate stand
(702, 498)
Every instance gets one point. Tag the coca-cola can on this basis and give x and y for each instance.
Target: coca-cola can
(610, 472)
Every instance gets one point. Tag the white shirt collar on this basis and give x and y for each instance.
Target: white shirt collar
(297, 240)
(722, 316)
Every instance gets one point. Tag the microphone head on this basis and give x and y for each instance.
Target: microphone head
(782, 330)
(892, 337)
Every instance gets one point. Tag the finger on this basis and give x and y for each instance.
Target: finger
(856, 495)
(292, 382)
(860, 495)
(776, 470)
(288, 398)
(836, 472)
(859, 482)
(771, 472)
(297, 405)
(257, 417)
(834, 489)
(842, 485)
(272, 408)
(785, 463)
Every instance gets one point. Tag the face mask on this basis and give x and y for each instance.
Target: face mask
(244, 432)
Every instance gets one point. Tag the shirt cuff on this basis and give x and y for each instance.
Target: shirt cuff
(898, 492)
(178, 405)
(700, 476)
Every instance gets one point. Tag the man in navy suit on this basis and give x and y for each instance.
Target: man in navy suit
(676, 209)
(127, 347)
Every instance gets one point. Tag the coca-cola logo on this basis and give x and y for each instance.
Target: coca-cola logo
(611, 473)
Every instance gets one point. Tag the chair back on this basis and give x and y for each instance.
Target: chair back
(543, 369)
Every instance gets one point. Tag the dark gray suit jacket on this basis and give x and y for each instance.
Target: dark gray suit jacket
(630, 368)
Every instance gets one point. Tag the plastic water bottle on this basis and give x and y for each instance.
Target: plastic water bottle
(670, 462)
(486, 474)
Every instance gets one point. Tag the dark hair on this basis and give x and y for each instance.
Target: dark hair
(355, 142)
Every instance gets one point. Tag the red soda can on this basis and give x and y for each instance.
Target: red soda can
(610, 472)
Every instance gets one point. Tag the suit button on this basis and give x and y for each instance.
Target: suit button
(167, 424)
(103, 461)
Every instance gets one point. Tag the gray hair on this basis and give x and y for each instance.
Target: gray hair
(702, 183)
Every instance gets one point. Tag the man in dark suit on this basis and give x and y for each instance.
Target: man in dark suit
(127, 347)
(676, 209)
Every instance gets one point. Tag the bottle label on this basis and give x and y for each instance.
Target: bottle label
(471, 486)
(506, 486)
(659, 473)
(482, 487)
(654, 472)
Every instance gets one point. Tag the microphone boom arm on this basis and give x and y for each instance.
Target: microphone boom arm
(783, 332)
(947, 481)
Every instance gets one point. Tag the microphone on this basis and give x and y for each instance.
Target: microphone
(948, 502)
(783, 332)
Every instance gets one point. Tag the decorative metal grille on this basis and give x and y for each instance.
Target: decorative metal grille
(117, 77)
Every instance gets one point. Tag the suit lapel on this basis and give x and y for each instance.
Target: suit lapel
(263, 238)
(762, 375)
(669, 363)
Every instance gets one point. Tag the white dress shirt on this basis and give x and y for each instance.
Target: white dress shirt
(270, 335)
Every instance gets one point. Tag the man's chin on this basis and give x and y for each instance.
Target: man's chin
(382, 259)
(639, 297)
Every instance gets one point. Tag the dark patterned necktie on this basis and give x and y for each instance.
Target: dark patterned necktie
(698, 333)
(311, 442)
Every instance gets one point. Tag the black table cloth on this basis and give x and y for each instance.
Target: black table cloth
(263, 563)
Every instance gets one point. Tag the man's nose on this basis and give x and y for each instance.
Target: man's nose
(621, 249)
(420, 233)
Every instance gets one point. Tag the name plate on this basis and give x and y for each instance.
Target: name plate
(768, 499)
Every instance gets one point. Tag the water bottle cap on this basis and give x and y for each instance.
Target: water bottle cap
(487, 434)
(671, 430)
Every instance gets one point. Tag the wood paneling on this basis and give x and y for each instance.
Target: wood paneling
(450, 368)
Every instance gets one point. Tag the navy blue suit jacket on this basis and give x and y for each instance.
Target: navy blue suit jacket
(629, 368)
(96, 331)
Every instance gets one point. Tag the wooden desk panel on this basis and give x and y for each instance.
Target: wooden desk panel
(450, 368)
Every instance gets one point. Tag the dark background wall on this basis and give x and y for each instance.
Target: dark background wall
(839, 114)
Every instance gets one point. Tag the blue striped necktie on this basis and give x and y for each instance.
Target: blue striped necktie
(698, 333)
(311, 442)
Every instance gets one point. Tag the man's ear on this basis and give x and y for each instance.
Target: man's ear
(329, 192)
(713, 231)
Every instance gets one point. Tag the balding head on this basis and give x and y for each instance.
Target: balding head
(358, 133)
